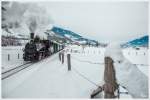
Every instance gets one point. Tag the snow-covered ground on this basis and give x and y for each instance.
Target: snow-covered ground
(139, 57)
(15, 58)
(50, 78)
(128, 74)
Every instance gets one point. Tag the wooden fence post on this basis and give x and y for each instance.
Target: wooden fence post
(18, 55)
(62, 55)
(8, 57)
(69, 62)
(110, 80)
(59, 56)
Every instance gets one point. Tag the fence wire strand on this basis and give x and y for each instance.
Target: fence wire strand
(90, 62)
(90, 81)
(98, 63)
(83, 76)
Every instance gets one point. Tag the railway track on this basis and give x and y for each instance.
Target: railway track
(19, 68)
(15, 70)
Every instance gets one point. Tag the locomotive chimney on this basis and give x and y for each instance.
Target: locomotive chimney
(32, 36)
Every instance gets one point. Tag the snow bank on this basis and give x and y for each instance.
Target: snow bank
(127, 74)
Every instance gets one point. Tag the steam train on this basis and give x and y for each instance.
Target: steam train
(36, 50)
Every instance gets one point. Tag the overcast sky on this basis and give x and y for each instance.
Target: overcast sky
(103, 21)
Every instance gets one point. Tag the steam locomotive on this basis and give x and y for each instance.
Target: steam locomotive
(36, 50)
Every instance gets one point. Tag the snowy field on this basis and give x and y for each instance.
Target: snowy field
(12, 56)
(96, 55)
(139, 57)
(50, 78)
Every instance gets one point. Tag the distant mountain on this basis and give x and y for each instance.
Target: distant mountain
(64, 32)
(72, 35)
(140, 42)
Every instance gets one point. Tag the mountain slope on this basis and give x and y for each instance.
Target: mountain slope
(140, 42)
(72, 35)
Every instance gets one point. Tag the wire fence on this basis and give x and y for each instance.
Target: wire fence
(83, 76)
(101, 63)
(119, 92)
(95, 84)
(86, 61)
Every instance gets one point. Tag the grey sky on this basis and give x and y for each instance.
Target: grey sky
(103, 21)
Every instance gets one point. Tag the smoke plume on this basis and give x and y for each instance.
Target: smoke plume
(32, 15)
(32, 24)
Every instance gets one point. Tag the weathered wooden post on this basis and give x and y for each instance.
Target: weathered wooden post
(62, 55)
(58, 47)
(109, 77)
(8, 57)
(18, 55)
(69, 62)
(71, 50)
(59, 56)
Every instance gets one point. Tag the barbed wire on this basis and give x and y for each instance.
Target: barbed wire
(90, 81)
(87, 61)
(142, 64)
(86, 78)
(120, 92)
(103, 63)
(83, 76)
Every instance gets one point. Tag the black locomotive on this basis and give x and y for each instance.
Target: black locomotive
(39, 49)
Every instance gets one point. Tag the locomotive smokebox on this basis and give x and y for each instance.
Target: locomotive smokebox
(32, 36)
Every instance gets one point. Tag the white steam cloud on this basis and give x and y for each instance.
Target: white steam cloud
(32, 15)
